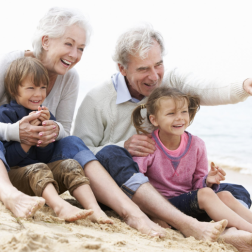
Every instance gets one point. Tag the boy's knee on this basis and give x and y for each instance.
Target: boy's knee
(37, 167)
(70, 165)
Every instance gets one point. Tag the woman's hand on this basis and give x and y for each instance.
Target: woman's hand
(49, 134)
(215, 175)
(37, 135)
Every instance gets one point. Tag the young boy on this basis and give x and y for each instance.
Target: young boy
(45, 171)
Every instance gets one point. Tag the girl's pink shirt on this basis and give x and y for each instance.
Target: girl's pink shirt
(174, 175)
(183, 142)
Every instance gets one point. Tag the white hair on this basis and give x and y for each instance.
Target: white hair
(54, 25)
(136, 41)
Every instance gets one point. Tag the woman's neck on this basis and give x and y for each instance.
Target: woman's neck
(170, 141)
(52, 75)
(52, 79)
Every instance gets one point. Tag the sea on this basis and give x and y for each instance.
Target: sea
(225, 129)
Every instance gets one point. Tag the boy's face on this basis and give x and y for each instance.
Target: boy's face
(30, 96)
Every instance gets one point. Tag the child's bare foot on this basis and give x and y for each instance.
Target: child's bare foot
(143, 224)
(160, 222)
(100, 217)
(71, 213)
(242, 240)
(204, 230)
(22, 205)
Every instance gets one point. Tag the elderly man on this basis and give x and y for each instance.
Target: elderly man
(103, 121)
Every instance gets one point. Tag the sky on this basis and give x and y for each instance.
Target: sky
(211, 38)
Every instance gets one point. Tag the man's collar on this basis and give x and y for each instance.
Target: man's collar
(123, 94)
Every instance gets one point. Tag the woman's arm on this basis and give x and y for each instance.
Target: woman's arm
(63, 100)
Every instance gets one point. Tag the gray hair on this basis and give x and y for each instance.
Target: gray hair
(136, 41)
(54, 25)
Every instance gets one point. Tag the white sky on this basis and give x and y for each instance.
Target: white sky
(210, 37)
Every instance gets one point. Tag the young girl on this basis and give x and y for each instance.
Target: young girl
(45, 170)
(178, 168)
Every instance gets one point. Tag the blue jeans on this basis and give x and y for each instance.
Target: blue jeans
(238, 191)
(120, 165)
(2, 152)
(72, 147)
(188, 204)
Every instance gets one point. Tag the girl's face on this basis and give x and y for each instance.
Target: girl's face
(172, 117)
(30, 96)
(61, 54)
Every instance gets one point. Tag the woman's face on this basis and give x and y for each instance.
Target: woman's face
(61, 54)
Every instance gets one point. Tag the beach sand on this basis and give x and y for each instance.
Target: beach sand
(45, 232)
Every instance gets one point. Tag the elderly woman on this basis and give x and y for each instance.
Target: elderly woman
(58, 43)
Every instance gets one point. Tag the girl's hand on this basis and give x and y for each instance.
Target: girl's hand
(45, 114)
(215, 175)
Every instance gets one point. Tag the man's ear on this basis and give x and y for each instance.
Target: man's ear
(45, 42)
(153, 120)
(122, 69)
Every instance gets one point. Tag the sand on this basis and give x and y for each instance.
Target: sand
(45, 232)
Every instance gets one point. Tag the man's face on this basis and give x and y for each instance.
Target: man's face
(144, 75)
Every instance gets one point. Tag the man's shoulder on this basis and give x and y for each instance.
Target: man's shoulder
(175, 75)
(102, 90)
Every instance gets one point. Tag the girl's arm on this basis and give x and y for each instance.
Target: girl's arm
(215, 175)
(144, 162)
(201, 171)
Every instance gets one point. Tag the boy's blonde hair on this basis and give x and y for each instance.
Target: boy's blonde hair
(20, 69)
(153, 103)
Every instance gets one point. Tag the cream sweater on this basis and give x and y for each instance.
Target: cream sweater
(101, 122)
(60, 101)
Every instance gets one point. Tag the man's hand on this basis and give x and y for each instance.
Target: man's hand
(215, 175)
(140, 145)
(37, 135)
(247, 86)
